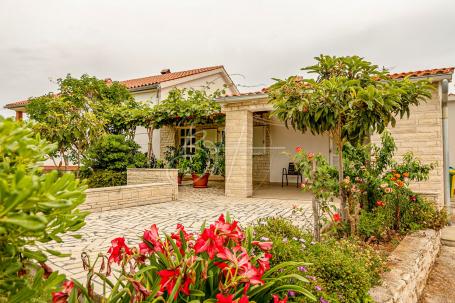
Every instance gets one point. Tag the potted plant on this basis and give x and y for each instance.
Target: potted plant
(218, 159)
(201, 164)
(184, 167)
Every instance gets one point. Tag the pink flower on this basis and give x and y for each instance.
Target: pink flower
(118, 250)
(209, 242)
(310, 156)
(379, 203)
(152, 242)
(264, 246)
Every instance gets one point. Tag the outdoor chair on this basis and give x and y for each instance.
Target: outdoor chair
(290, 171)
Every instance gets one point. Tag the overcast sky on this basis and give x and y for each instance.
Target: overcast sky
(43, 40)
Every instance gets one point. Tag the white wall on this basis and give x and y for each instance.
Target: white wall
(452, 131)
(283, 140)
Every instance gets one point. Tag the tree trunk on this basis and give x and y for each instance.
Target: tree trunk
(340, 179)
(315, 204)
(150, 143)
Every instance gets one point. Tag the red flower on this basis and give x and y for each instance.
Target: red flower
(244, 299)
(336, 217)
(298, 149)
(152, 241)
(220, 298)
(62, 296)
(229, 230)
(379, 203)
(277, 299)
(209, 242)
(264, 246)
(117, 250)
(264, 263)
(168, 280)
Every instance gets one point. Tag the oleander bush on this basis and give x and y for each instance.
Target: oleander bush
(339, 270)
(35, 208)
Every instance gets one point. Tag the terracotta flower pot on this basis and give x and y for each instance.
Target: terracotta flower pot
(200, 181)
(179, 179)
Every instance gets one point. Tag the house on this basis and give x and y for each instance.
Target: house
(155, 88)
(256, 144)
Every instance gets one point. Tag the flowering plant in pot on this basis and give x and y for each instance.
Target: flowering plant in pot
(201, 165)
(221, 264)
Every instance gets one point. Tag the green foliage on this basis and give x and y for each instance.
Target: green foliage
(186, 106)
(416, 213)
(218, 158)
(114, 152)
(81, 112)
(173, 155)
(349, 98)
(104, 178)
(36, 208)
(345, 270)
(201, 161)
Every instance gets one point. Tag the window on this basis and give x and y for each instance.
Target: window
(187, 140)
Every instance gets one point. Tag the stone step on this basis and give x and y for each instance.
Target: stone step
(448, 236)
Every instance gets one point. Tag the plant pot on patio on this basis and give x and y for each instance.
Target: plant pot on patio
(179, 179)
(200, 181)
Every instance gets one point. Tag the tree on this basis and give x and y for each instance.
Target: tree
(182, 107)
(35, 208)
(349, 99)
(83, 110)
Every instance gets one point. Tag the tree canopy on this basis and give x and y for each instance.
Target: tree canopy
(83, 110)
(349, 99)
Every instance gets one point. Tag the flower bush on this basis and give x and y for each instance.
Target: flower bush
(372, 179)
(222, 264)
(340, 270)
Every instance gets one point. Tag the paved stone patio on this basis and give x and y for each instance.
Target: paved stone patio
(192, 209)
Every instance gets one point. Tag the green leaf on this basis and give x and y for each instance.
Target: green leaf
(30, 222)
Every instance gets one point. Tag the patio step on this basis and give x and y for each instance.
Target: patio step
(448, 236)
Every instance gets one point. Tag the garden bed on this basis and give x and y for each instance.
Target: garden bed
(410, 264)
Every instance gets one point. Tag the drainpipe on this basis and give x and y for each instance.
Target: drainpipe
(445, 142)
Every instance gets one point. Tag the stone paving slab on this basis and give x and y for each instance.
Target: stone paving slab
(192, 209)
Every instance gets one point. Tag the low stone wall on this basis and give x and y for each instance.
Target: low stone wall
(115, 197)
(410, 265)
(151, 175)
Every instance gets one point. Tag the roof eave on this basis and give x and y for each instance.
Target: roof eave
(235, 99)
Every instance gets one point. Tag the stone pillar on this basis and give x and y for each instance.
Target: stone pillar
(19, 115)
(167, 138)
(239, 153)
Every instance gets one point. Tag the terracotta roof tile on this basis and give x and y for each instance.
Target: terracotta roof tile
(424, 73)
(140, 82)
(145, 81)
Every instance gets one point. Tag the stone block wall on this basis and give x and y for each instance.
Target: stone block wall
(167, 138)
(261, 162)
(410, 265)
(422, 134)
(152, 175)
(117, 197)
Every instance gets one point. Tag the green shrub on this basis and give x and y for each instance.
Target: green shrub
(344, 269)
(35, 208)
(416, 213)
(114, 152)
(106, 178)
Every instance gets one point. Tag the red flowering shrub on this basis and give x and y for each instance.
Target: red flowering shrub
(221, 264)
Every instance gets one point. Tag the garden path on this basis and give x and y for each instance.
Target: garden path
(191, 209)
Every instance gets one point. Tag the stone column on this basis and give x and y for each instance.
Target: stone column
(239, 153)
(19, 115)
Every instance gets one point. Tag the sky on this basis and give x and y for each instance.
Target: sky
(255, 40)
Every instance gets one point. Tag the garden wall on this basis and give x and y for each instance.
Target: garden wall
(116, 197)
(151, 175)
(410, 264)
